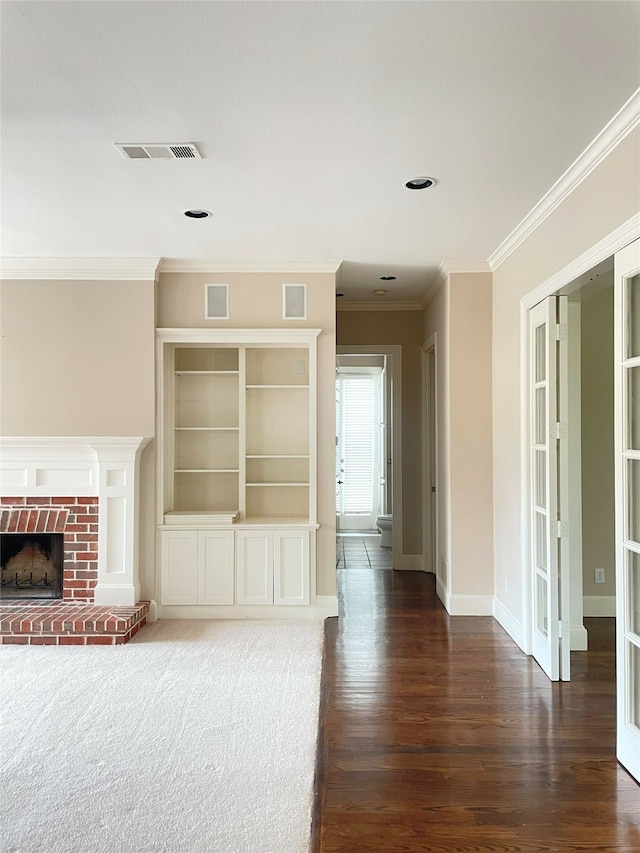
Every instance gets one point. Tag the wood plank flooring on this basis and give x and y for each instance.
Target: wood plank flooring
(438, 734)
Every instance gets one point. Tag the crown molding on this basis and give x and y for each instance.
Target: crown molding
(452, 267)
(378, 306)
(173, 265)
(620, 126)
(77, 269)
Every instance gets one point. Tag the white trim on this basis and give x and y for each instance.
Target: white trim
(282, 337)
(505, 618)
(578, 638)
(601, 251)
(599, 605)
(328, 606)
(453, 267)
(83, 466)
(596, 254)
(378, 306)
(171, 265)
(429, 451)
(470, 605)
(623, 123)
(325, 606)
(443, 594)
(80, 269)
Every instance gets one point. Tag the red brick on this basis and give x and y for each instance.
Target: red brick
(88, 500)
(14, 640)
(43, 641)
(76, 528)
(7, 501)
(100, 641)
(86, 519)
(63, 501)
(32, 521)
(75, 584)
(87, 555)
(74, 640)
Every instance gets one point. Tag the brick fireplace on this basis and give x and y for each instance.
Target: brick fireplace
(86, 490)
(76, 520)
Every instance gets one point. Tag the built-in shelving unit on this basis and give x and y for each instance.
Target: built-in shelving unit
(237, 452)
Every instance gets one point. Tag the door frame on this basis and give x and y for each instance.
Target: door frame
(394, 364)
(566, 280)
(430, 453)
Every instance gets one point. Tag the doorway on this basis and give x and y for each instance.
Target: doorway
(392, 418)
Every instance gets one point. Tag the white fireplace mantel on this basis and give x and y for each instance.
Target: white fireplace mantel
(83, 466)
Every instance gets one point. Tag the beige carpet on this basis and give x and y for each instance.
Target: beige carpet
(195, 736)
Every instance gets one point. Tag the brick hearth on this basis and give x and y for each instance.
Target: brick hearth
(67, 623)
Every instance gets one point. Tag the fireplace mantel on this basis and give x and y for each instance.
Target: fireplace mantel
(102, 466)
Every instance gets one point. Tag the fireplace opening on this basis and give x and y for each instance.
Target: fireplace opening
(31, 565)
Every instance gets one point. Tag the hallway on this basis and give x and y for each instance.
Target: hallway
(437, 734)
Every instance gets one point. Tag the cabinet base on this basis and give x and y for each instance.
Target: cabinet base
(325, 605)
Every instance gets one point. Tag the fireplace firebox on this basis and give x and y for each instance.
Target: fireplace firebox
(31, 565)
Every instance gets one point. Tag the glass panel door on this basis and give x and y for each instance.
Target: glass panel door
(627, 414)
(543, 465)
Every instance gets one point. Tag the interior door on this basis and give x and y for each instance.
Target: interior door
(543, 455)
(627, 418)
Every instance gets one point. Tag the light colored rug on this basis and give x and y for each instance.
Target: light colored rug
(195, 736)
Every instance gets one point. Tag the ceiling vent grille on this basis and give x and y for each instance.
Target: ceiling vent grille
(158, 150)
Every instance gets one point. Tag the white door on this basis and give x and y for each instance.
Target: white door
(359, 431)
(254, 579)
(215, 566)
(546, 527)
(291, 567)
(627, 418)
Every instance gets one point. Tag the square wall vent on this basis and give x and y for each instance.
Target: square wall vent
(158, 150)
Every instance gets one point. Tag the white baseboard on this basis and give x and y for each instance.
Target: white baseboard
(443, 594)
(152, 615)
(599, 605)
(508, 621)
(579, 639)
(470, 605)
(325, 605)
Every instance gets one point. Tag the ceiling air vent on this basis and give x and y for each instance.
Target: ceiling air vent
(158, 150)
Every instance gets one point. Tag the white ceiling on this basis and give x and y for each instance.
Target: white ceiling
(310, 117)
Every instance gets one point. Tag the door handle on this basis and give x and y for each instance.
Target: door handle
(340, 482)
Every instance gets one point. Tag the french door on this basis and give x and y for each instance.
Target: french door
(549, 585)
(627, 453)
(359, 447)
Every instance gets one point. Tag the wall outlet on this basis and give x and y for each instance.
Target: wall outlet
(300, 367)
(599, 575)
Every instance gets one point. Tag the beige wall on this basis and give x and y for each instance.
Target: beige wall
(471, 434)
(598, 496)
(460, 316)
(603, 201)
(77, 358)
(255, 301)
(403, 328)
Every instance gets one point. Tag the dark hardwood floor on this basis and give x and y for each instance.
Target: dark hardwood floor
(438, 734)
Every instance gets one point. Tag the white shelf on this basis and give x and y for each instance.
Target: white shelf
(206, 470)
(277, 455)
(278, 387)
(207, 372)
(272, 483)
(208, 429)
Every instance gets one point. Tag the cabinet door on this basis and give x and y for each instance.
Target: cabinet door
(179, 567)
(291, 566)
(215, 567)
(254, 581)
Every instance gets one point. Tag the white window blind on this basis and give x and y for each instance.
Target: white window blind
(357, 408)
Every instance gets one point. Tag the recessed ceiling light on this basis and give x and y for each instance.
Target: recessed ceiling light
(197, 214)
(379, 292)
(420, 183)
(387, 278)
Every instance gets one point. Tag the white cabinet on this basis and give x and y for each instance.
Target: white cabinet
(273, 567)
(197, 567)
(254, 579)
(237, 462)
